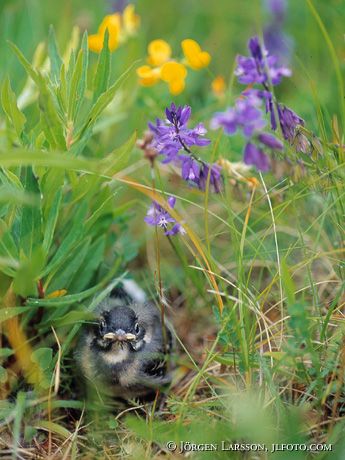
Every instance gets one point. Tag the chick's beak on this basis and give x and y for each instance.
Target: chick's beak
(119, 336)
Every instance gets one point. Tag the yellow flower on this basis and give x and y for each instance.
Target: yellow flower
(112, 22)
(147, 75)
(159, 52)
(95, 43)
(218, 85)
(119, 28)
(174, 74)
(131, 21)
(195, 57)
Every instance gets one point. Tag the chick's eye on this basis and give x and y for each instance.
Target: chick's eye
(136, 328)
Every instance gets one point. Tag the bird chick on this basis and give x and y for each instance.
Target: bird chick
(126, 353)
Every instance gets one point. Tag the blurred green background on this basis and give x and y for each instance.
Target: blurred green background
(222, 27)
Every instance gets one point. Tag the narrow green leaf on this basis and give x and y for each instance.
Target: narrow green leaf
(84, 275)
(51, 183)
(42, 356)
(72, 238)
(55, 59)
(54, 428)
(8, 313)
(71, 265)
(69, 300)
(9, 104)
(83, 78)
(27, 275)
(18, 157)
(73, 89)
(11, 195)
(101, 80)
(73, 317)
(52, 119)
(118, 158)
(102, 102)
(25, 63)
(51, 221)
(8, 249)
(30, 228)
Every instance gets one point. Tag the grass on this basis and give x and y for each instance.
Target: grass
(255, 288)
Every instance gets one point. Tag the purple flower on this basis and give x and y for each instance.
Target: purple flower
(190, 168)
(256, 157)
(172, 135)
(289, 120)
(260, 67)
(196, 171)
(270, 141)
(158, 216)
(278, 43)
(245, 115)
(214, 173)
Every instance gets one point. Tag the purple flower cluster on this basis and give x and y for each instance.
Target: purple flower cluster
(260, 67)
(173, 139)
(158, 216)
(287, 118)
(172, 136)
(247, 116)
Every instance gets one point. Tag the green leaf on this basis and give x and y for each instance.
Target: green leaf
(9, 104)
(8, 248)
(100, 210)
(51, 221)
(78, 81)
(6, 409)
(43, 357)
(51, 184)
(65, 403)
(84, 275)
(73, 89)
(68, 300)
(6, 352)
(82, 85)
(8, 313)
(53, 427)
(30, 228)
(72, 238)
(55, 59)
(73, 317)
(71, 265)
(25, 63)
(3, 375)
(102, 102)
(101, 80)
(18, 157)
(26, 277)
(118, 158)
(51, 120)
(14, 196)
